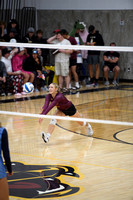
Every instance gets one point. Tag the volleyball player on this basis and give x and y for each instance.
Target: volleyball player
(64, 108)
(4, 191)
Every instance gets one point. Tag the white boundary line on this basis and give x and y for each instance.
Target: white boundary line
(67, 118)
(76, 47)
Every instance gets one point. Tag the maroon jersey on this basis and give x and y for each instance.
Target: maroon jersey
(60, 101)
(73, 42)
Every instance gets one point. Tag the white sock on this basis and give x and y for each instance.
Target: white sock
(48, 134)
(84, 123)
(77, 84)
(70, 85)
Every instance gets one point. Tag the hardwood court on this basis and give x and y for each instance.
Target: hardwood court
(73, 166)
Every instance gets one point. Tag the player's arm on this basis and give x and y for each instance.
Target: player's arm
(53, 104)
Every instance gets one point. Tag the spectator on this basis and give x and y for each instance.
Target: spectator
(111, 59)
(13, 78)
(75, 31)
(2, 78)
(73, 59)
(12, 31)
(33, 64)
(13, 50)
(78, 26)
(3, 30)
(46, 72)
(17, 65)
(14, 27)
(29, 38)
(40, 40)
(83, 34)
(61, 58)
(4, 148)
(94, 39)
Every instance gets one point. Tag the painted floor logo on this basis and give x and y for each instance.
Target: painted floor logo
(41, 181)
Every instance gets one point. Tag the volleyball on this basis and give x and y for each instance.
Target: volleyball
(28, 88)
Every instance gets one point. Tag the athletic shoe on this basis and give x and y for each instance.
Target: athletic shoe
(36, 90)
(96, 85)
(106, 83)
(90, 84)
(3, 94)
(24, 93)
(45, 137)
(9, 94)
(17, 94)
(114, 83)
(90, 131)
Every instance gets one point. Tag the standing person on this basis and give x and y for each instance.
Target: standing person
(64, 108)
(61, 59)
(111, 64)
(73, 60)
(94, 39)
(4, 148)
(84, 34)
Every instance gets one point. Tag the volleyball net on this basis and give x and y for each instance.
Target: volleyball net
(101, 105)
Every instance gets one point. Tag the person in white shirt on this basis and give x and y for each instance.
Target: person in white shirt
(61, 58)
(13, 78)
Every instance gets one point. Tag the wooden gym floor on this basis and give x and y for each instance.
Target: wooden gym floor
(72, 166)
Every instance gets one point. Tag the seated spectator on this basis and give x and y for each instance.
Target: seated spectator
(40, 40)
(33, 64)
(111, 64)
(13, 78)
(29, 38)
(12, 31)
(17, 65)
(3, 30)
(2, 78)
(13, 50)
(14, 27)
(46, 72)
(11, 35)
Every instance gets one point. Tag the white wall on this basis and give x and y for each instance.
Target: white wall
(80, 4)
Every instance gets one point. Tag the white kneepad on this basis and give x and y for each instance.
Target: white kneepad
(53, 121)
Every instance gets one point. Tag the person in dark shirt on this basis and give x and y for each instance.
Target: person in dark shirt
(4, 148)
(111, 64)
(64, 108)
(94, 39)
(33, 64)
(29, 38)
(40, 40)
(13, 31)
(3, 75)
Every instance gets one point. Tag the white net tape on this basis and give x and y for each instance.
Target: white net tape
(67, 118)
(75, 47)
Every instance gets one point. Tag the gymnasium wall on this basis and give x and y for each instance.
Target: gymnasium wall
(113, 19)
